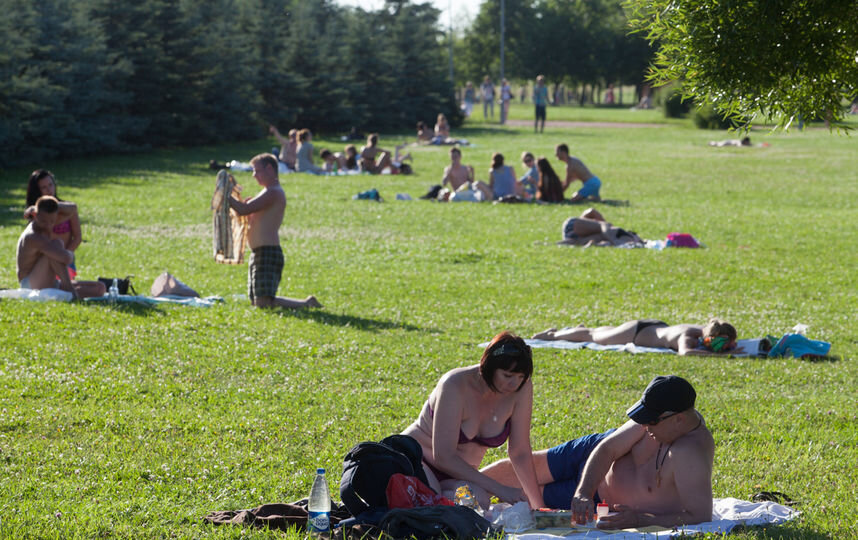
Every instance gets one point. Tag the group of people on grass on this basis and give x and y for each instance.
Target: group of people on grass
(297, 155)
(540, 183)
(655, 469)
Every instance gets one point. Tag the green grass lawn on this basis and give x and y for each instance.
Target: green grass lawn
(135, 422)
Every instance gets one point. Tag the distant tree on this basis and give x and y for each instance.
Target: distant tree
(785, 60)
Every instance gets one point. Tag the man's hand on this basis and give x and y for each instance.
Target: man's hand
(622, 518)
(582, 509)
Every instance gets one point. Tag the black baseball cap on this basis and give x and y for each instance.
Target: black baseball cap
(665, 393)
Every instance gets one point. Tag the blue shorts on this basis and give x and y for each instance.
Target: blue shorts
(569, 228)
(566, 463)
(591, 188)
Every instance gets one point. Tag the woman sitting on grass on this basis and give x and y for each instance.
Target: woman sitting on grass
(549, 188)
(591, 229)
(473, 409)
(42, 182)
(717, 337)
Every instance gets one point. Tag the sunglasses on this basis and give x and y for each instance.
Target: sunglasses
(660, 418)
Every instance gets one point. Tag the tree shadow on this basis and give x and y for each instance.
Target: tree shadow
(360, 323)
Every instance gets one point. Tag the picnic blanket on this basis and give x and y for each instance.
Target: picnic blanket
(750, 347)
(208, 301)
(727, 514)
(230, 228)
(39, 295)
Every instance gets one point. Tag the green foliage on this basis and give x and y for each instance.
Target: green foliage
(100, 76)
(708, 117)
(577, 42)
(784, 60)
(675, 105)
(134, 423)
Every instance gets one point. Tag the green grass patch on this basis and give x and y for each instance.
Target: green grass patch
(129, 422)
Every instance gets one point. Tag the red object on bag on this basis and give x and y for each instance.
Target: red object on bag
(409, 492)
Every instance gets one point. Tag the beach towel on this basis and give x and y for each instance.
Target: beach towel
(230, 228)
(39, 295)
(750, 347)
(208, 301)
(727, 514)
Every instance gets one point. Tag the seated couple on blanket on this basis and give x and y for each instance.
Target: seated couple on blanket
(656, 469)
(717, 337)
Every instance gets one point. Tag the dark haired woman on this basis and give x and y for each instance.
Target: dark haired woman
(549, 188)
(501, 178)
(42, 182)
(473, 409)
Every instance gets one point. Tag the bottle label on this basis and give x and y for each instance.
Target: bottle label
(319, 522)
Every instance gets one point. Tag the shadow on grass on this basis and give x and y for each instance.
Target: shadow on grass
(360, 323)
(605, 202)
(134, 308)
(783, 531)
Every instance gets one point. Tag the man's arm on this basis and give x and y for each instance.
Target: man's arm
(50, 249)
(446, 179)
(260, 202)
(612, 448)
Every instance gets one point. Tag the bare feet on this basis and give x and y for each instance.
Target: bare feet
(546, 334)
(312, 302)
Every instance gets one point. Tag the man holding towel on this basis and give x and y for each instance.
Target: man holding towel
(656, 469)
(265, 215)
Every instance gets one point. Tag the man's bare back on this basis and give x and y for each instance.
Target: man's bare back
(576, 170)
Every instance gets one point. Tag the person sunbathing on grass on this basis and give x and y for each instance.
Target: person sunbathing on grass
(655, 469)
(473, 409)
(42, 259)
(717, 337)
(591, 229)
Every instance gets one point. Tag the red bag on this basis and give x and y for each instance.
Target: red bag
(676, 239)
(409, 492)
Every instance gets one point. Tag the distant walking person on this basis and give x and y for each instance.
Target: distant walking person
(506, 97)
(470, 97)
(487, 92)
(540, 101)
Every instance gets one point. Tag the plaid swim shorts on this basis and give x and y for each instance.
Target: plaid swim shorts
(263, 271)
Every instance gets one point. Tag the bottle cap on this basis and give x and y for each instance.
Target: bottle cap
(320, 470)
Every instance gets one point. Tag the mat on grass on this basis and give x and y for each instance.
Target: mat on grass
(727, 514)
(208, 301)
(750, 347)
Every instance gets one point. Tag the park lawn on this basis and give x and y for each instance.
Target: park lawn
(134, 423)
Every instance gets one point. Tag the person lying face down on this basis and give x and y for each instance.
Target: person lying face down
(591, 229)
(475, 408)
(655, 469)
(716, 337)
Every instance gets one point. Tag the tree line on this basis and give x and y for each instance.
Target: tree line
(84, 76)
(570, 42)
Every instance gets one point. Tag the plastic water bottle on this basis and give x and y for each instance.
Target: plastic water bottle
(319, 520)
(113, 292)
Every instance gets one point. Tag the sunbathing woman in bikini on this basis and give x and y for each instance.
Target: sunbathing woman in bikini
(717, 337)
(473, 409)
(591, 229)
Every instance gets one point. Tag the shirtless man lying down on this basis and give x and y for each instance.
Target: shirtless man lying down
(656, 469)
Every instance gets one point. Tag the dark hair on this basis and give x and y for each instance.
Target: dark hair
(302, 135)
(351, 157)
(267, 159)
(549, 188)
(324, 153)
(497, 160)
(509, 352)
(47, 204)
(33, 192)
(372, 140)
(456, 149)
(421, 125)
(562, 146)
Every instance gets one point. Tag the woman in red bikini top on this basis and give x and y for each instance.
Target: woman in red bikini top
(473, 409)
(42, 182)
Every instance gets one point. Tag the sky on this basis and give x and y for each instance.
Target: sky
(464, 11)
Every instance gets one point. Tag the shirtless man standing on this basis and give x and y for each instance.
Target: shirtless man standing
(265, 215)
(656, 469)
(576, 170)
(372, 158)
(42, 259)
(455, 173)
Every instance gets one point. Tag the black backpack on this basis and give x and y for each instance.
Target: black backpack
(457, 522)
(368, 467)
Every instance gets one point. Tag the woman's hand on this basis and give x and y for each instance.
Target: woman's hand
(511, 494)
